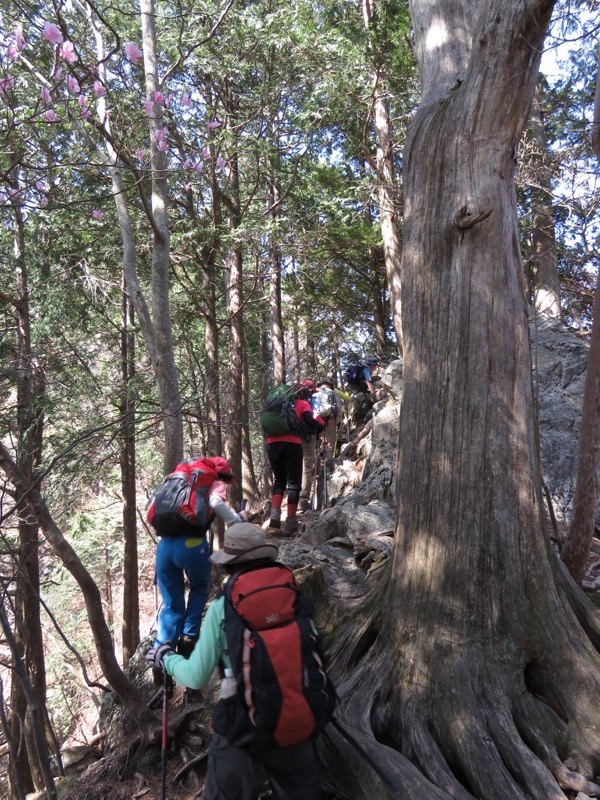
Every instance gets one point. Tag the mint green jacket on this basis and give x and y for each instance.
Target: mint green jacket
(211, 650)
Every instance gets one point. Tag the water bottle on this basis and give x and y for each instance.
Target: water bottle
(228, 684)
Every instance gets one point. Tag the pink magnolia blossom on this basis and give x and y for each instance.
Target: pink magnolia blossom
(159, 98)
(214, 124)
(19, 38)
(52, 33)
(140, 155)
(149, 107)
(220, 162)
(197, 166)
(160, 135)
(40, 186)
(72, 84)
(14, 194)
(12, 52)
(168, 100)
(187, 163)
(50, 116)
(99, 89)
(67, 51)
(45, 95)
(57, 74)
(97, 214)
(205, 152)
(82, 100)
(132, 51)
(85, 114)
(162, 145)
(186, 100)
(44, 202)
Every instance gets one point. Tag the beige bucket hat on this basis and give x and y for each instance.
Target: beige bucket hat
(244, 542)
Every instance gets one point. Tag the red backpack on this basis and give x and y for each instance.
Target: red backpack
(179, 506)
(284, 695)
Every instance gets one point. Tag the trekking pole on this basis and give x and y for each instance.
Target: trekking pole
(325, 476)
(163, 751)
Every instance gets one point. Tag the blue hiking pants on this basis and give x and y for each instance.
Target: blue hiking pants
(177, 557)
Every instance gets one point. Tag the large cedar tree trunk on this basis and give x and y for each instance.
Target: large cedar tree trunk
(475, 674)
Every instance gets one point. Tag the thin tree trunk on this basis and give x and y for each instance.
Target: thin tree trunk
(389, 209)
(28, 628)
(277, 339)
(237, 389)
(127, 692)
(576, 551)
(131, 605)
(546, 287)
(167, 379)
(157, 339)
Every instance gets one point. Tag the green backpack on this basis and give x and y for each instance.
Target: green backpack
(278, 416)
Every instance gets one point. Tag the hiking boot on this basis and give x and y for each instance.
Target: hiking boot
(303, 505)
(291, 525)
(275, 521)
(186, 645)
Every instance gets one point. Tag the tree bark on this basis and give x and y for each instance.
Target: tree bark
(167, 379)
(486, 684)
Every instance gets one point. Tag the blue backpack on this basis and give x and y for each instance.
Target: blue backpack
(354, 375)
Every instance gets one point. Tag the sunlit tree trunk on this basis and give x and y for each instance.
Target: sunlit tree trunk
(167, 379)
(155, 327)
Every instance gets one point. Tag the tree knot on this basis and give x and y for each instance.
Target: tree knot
(464, 220)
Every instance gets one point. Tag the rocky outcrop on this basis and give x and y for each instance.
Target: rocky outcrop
(361, 487)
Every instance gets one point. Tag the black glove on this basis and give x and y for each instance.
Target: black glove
(155, 655)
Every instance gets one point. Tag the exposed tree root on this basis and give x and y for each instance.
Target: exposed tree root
(477, 724)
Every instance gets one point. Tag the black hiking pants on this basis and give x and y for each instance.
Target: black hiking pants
(286, 461)
(234, 774)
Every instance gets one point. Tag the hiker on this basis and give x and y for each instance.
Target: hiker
(275, 740)
(183, 551)
(285, 456)
(359, 379)
(330, 410)
(310, 456)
